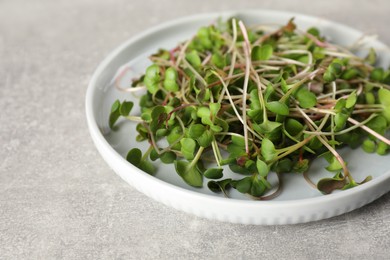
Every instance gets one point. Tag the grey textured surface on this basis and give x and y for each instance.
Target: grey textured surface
(58, 199)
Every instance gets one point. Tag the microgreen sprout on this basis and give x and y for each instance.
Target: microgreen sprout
(258, 101)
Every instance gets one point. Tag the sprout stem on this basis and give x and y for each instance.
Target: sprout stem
(246, 80)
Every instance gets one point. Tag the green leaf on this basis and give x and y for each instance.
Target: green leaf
(314, 144)
(263, 52)
(222, 123)
(378, 124)
(377, 74)
(229, 160)
(203, 112)
(334, 164)
(170, 80)
(350, 73)
(238, 141)
(114, 115)
(125, 108)
(369, 146)
(204, 38)
(169, 109)
(340, 104)
(292, 126)
(236, 150)
(384, 99)
(162, 132)
(351, 100)
(214, 108)
(158, 118)
(134, 156)
(340, 120)
(168, 157)
(278, 108)
(172, 137)
(318, 53)
(215, 128)
(154, 155)
(382, 148)
(353, 139)
(257, 188)
(306, 98)
(218, 186)
(163, 54)
(238, 169)
(256, 115)
(285, 88)
(188, 147)
(268, 150)
(250, 165)
(152, 78)
(269, 91)
(301, 166)
(386, 77)
(244, 185)
(327, 185)
(157, 111)
(213, 173)
(262, 168)
(143, 132)
(194, 59)
(196, 130)
(147, 167)
(313, 31)
(140, 138)
(370, 98)
(304, 59)
(191, 175)
(205, 139)
(203, 95)
(147, 116)
(333, 72)
(254, 99)
(218, 60)
(283, 166)
(146, 101)
(266, 127)
(174, 102)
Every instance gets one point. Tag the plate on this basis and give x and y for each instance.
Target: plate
(297, 203)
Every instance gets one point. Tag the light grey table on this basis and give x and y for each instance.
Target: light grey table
(58, 198)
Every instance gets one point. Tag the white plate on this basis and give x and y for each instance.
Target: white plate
(297, 203)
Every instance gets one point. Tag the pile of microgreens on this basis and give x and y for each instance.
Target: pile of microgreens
(258, 101)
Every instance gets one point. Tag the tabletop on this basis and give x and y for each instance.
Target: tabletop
(59, 199)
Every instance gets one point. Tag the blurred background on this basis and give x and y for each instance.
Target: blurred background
(59, 199)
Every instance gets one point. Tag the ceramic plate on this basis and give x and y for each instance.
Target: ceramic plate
(297, 203)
